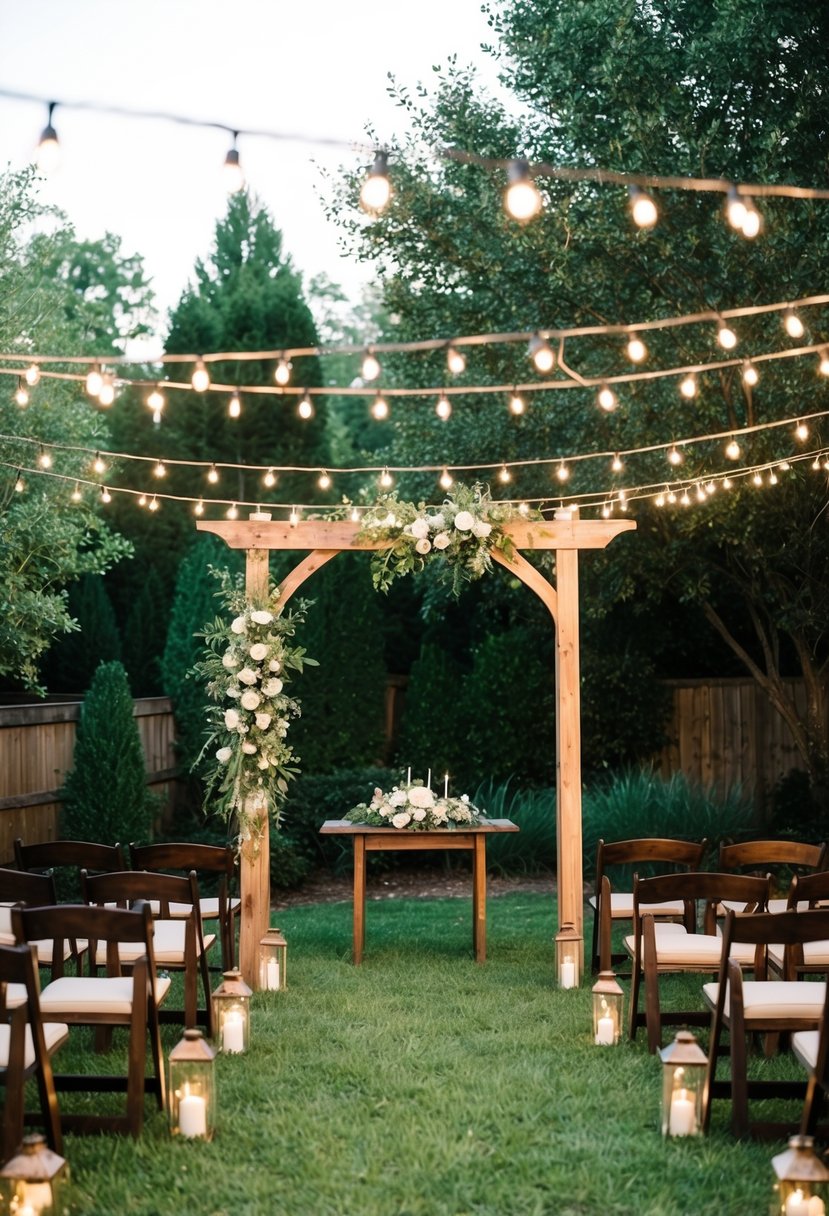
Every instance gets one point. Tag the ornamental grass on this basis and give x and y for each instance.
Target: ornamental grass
(422, 1084)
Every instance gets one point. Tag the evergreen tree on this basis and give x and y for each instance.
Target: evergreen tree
(74, 659)
(434, 733)
(144, 635)
(105, 797)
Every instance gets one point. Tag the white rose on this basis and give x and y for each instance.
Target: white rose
(249, 748)
(262, 762)
(464, 521)
(237, 625)
(272, 688)
(419, 815)
(274, 665)
(258, 652)
(263, 721)
(224, 754)
(248, 676)
(423, 546)
(398, 798)
(231, 719)
(251, 699)
(229, 660)
(439, 814)
(442, 540)
(235, 693)
(420, 528)
(464, 797)
(261, 617)
(436, 522)
(481, 528)
(402, 819)
(421, 795)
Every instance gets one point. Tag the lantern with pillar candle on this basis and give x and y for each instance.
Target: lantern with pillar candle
(684, 1074)
(801, 1186)
(608, 1001)
(192, 1096)
(273, 962)
(568, 957)
(231, 1013)
(31, 1182)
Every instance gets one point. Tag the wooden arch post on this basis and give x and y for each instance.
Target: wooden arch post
(322, 540)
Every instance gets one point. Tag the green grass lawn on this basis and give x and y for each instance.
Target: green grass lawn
(421, 1084)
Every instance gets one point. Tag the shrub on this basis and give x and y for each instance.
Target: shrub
(532, 850)
(74, 658)
(313, 798)
(433, 733)
(143, 639)
(794, 810)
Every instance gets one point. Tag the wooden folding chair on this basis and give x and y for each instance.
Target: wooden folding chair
(658, 948)
(66, 859)
(218, 863)
(38, 890)
(26, 1047)
(111, 1000)
(811, 1048)
(179, 942)
(771, 856)
(661, 852)
(743, 1007)
(808, 891)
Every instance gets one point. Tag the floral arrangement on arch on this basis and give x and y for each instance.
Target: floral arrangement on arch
(248, 660)
(413, 806)
(461, 534)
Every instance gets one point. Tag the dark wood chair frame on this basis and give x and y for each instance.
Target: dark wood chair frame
(763, 855)
(38, 890)
(761, 930)
(696, 888)
(817, 1087)
(115, 927)
(812, 890)
(660, 850)
(18, 965)
(79, 855)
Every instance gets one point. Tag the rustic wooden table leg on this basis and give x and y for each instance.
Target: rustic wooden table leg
(479, 898)
(359, 898)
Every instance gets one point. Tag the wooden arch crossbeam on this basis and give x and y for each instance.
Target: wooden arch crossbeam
(322, 540)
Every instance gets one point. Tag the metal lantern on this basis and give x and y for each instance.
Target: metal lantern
(608, 1001)
(568, 957)
(31, 1183)
(231, 1013)
(684, 1083)
(801, 1186)
(192, 1098)
(273, 962)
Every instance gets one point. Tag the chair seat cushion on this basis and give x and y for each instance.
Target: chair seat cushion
(815, 954)
(208, 906)
(675, 947)
(621, 906)
(55, 1033)
(774, 905)
(168, 945)
(772, 999)
(16, 995)
(78, 995)
(805, 1045)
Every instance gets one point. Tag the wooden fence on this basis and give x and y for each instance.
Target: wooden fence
(36, 745)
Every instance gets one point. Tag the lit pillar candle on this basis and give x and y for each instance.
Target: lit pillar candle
(273, 975)
(233, 1033)
(567, 974)
(408, 776)
(683, 1119)
(192, 1115)
(798, 1204)
(37, 1199)
(446, 785)
(606, 1031)
(429, 779)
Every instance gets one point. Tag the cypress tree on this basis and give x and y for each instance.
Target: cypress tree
(74, 659)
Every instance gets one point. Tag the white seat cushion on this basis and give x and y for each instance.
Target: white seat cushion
(805, 1045)
(676, 948)
(6, 922)
(774, 905)
(621, 906)
(15, 995)
(93, 994)
(54, 1033)
(765, 999)
(815, 954)
(168, 945)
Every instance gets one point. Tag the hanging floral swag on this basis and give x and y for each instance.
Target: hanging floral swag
(248, 660)
(460, 534)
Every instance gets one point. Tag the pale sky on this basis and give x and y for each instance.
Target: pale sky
(318, 68)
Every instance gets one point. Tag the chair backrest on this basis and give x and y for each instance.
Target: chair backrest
(110, 925)
(18, 887)
(760, 854)
(660, 852)
(127, 888)
(700, 887)
(66, 858)
(774, 928)
(182, 855)
(811, 889)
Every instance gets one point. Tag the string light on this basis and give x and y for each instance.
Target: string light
(455, 361)
(107, 394)
(19, 483)
(750, 374)
(156, 402)
(324, 480)
(443, 409)
(160, 469)
(32, 375)
(562, 472)
(674, 456)
(198, 509)
(504, 475)
(99, 464)
(48, 147)
(94, 380)
(21, 395)
(142, 500)
(642, 208)
(213, 475)
(521, 198)
(370, 367)
(757, 479)
(701, 495)
(732, 449)
(234, 178)
(232, 512)
(380, 409)
(375, 191)
(636, 350)
(44, 459)
(660, 500)
(293, 518)
(76, 495)
(816, 464)
(726, 336)
(685, 499)
(793, 325)
(516, 405)
(688, 387)
(735, 209)
(269, 479)
(200, 379)
(772, 478)
(355, 515)
(523, 508)
(801, 431)
(823, 366)
(752, 222)
(282, 371)
(386, 479)
(726, 483)
(446, 481)
(154, 504)
(305, 409)
(607, 399)
(616, 464)
(541, 354)
(106, 497)
(234, 407)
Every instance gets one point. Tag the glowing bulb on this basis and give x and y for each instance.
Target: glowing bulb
(606, 511)
(375, 191)
(200, 379)
(21, 395)
(726, 483)
(823, 366)
(234, 178)
(710, 488)
(76, 493)
(445, 480)
(504, 475)
(541, 354)
(282, 372)
(269, 479)
(355, 515)
(443, 409)
(750, 374)
(616, 463)
(45, 459)
(324, 480)
(784, 466)
(757, 479)
(732, 450)
(801, 431)
(772, 478)
(48, 148)
(386, 479)
(688, 387)
(816, 463)
(516, 405)
(642, 208)
(379, 409)
(107, 394)
(293, 518)
(160, 469)
(685, 499)
(19, 484)
(370, 367)
(726, 337)
(32, 375)
(234, 406)
(213, 474)
(523, 508)
(562, 472)
(735, 209)
(671, 496)
(607, 399)
(94, 380)
(198, 509)
(105, 494)
(674, 457)
(521, 198)
(153, 503)
(793, 325)
(637, 352)
(753, 221)
(660, 500)
(455, 361)
(155, 400)
(142, 500)
(232, 512)
(305, 409)
(98, 464)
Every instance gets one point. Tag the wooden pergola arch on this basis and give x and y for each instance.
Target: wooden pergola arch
(322, 540)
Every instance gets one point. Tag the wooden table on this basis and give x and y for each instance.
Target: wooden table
(369, 839)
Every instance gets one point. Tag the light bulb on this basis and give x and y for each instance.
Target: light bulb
(616, 463)
(94, 380)
(823, 366)
(735, 209)
(370, 367)
(816, 463)
(443, 409)
(445, 480)
(750, 374)
(107, 394)
(48, 147)
(562, 472)
(198, 509)
(637, 352)
(660, 500)
(674, 456)
(541, 354)
(726, 336)
(105, 494)
(671, 496)
(772, 478)
(324, 481)
(793, 324)
(213, 474)
(710, 487)
(732, 450)
(98, 464)
(305, 409)
(757, 479)
(234, 406)
(605, 511)
(21, 395)
(521, 198)
(200, 379)
(688, 387)
(607, 399)
(160, 469)
(685, 499)
(153, 503)
(232, 512)
(269, 479)
(375, 191)
(523, 508)
(76, 493)
(642, 208)
(455, 361)
(516, 405)
(801, 431)
(155, 400)
(293, 518)
(726, 483)
(701, 495)
(32, 375)
(45, 459)
(504, 475)
(282, 371)
(752, 222)
(142, 500)
(784, 466)
(355, 515)
(380, 409)
(234, 178)
(386, 479)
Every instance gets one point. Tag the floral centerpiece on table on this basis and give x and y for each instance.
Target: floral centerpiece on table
(248, 662)
(413, 806)
(460, 534)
